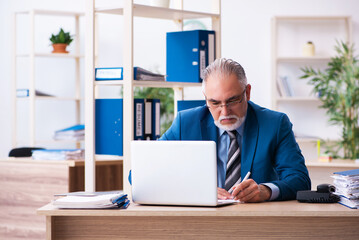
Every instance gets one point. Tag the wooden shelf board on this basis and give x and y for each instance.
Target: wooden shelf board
(333, 163)
(52, 13)
(311, 18)
(158, 84)
(298, 99)
(159, 12)
(71, 163)
(301, 59)
(57, 141)
(52, 98)
(52, 55)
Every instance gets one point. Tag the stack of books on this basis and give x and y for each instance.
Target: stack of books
(76, 132)
(58, 154)
(347, 187)
(91, 200)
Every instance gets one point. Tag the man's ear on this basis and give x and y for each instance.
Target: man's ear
(248, 92)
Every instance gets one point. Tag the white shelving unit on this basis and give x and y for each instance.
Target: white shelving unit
(129, 11)
(32, 55)
(289, 34)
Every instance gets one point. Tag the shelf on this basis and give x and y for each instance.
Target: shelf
(310, 18)
(52, 98)
(157, 84)
(333, 163)
(298, 99)
(159, 12)
(70, 163)
(313, 139)
(53, 55)
(306, 139)
(303, 59)
(57, 141)
(52, 13)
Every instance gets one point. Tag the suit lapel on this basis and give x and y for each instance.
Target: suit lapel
(250, 140)
(208, 129)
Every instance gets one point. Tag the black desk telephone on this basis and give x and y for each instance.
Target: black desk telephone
(324, 194)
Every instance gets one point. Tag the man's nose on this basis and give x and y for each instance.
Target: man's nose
(225, 110)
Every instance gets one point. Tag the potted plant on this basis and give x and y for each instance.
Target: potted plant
(338, 88)
(60, 41)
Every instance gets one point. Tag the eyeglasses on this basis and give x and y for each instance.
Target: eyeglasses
(233, 101)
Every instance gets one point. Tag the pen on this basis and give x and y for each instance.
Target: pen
(244, 179)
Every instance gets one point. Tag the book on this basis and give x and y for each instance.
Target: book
(347, 187)
(287, 87)
(187, 104)
(93, 200)
(26, 93)
(58, 154)
(109, 126)
(75, 132)
(116, 73)
(188, 53)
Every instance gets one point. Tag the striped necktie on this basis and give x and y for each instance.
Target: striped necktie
(233, 173)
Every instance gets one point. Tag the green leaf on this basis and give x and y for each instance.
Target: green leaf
(339, 88)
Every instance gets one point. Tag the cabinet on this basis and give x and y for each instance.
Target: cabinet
(129, 11)
(30, 62)
(289, 35)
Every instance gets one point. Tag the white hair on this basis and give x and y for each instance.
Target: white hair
(224, 67)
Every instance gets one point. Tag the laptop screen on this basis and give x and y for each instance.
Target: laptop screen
(174, 172)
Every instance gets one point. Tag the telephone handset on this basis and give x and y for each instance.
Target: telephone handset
(324, 194)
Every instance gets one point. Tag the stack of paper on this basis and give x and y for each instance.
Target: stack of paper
(58, 154)
(93, 200)
(347, 186)
(145, 75)
(76, 132)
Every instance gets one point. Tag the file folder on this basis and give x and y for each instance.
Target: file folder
(187, 104)
(148, 119)
(156, 113)
(109, 126)
(139, 118)
(188, 53)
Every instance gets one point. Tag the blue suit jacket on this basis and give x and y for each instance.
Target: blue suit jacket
(269, 149)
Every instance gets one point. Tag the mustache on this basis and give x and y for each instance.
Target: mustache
(228, 117)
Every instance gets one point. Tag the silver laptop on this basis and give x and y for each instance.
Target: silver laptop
(175, 173)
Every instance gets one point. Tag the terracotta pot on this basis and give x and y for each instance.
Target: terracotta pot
(59, 48)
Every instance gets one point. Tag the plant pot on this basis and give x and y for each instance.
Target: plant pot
(59, 48)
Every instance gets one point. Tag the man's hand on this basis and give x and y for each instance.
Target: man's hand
(250, 191)
(222, 194)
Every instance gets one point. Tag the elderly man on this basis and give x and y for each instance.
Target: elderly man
(249, 138)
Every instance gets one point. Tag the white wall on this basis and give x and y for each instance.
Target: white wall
(246, 37)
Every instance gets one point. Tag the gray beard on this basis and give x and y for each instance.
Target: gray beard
(231, 127)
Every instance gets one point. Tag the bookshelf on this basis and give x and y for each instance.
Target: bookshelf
(289, 34)
(32, 56)
(129, 10)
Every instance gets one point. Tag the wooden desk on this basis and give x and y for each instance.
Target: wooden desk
(27, 184)
(270, 220)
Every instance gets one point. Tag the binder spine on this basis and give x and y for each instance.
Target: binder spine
(139, 118)
(148, 119)
(156, 113)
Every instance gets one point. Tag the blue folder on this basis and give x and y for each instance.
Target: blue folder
(188, 53)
